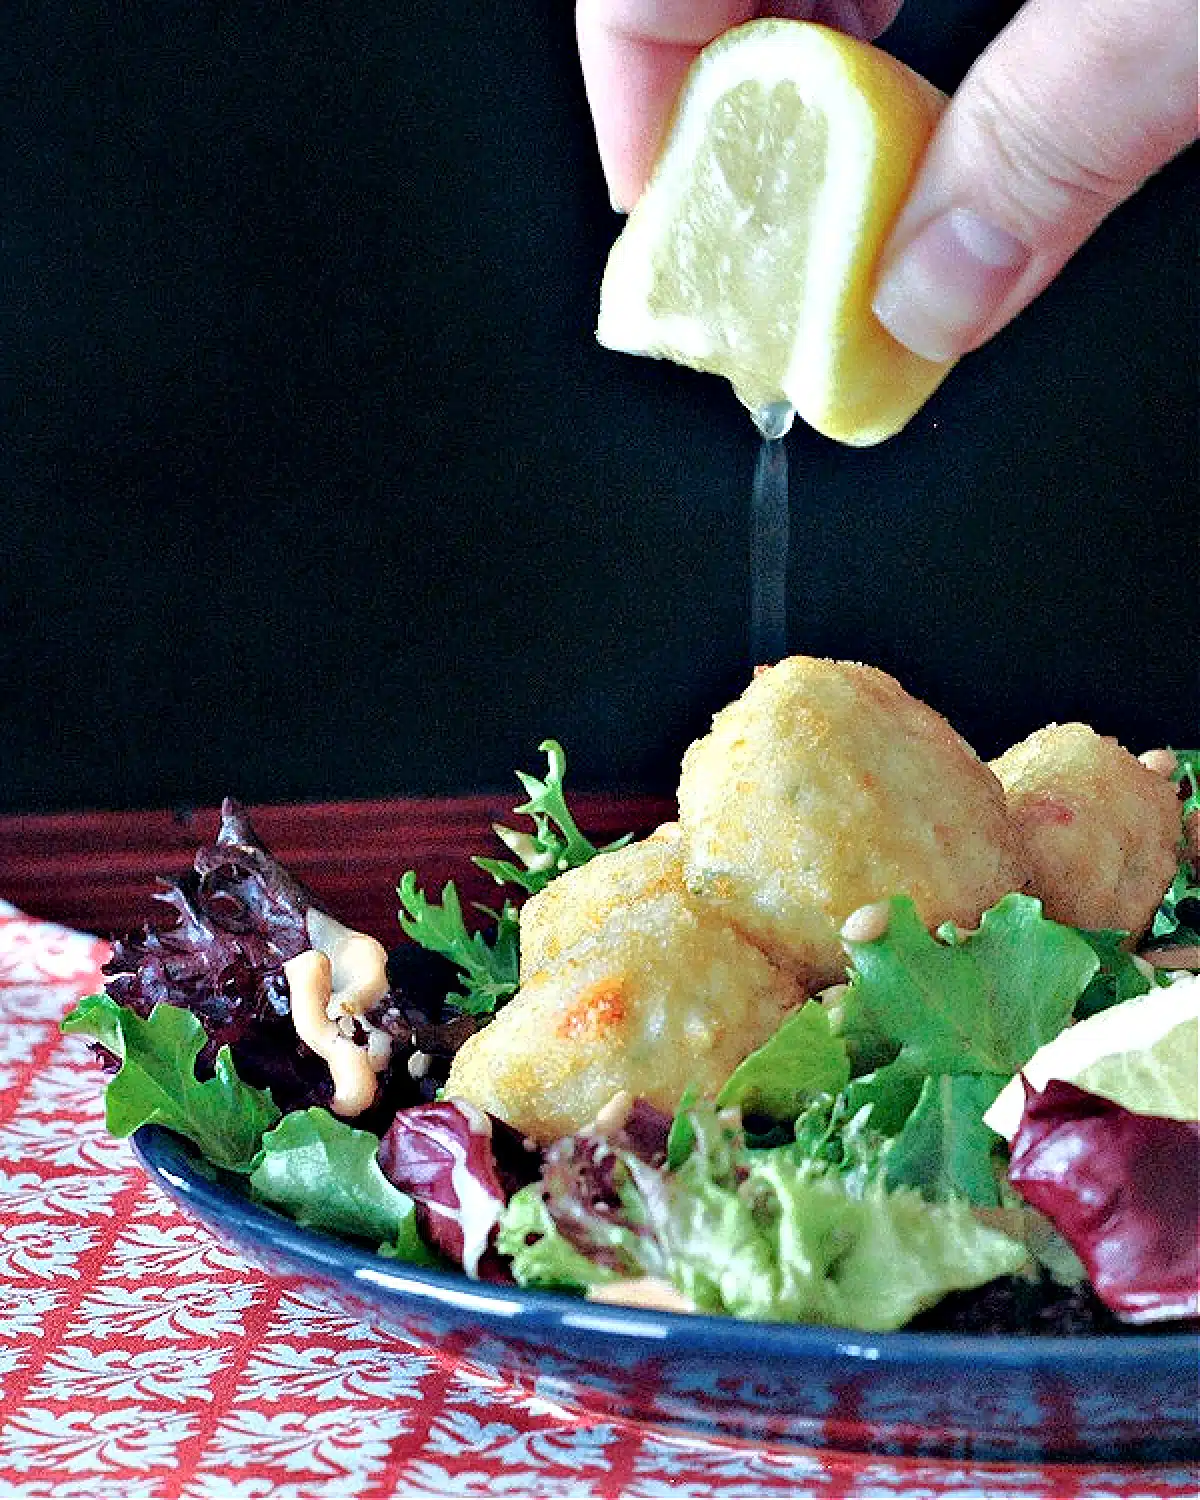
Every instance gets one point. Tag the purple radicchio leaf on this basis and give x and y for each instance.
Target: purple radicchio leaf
(460, 1166)
(1123, 1189)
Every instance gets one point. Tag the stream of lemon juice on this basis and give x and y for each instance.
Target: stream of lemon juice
(769, 537)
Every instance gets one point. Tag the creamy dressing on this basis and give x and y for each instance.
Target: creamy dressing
(358, 963)
(309, 985)
(332, 985)
(642, 1291)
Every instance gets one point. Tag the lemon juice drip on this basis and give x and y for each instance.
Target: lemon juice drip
(769, 523)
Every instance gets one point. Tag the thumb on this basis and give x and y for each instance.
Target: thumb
(1069, 110)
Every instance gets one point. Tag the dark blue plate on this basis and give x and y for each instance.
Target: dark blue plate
(916, 1393)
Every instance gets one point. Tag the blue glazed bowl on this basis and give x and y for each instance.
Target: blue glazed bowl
(1130, 1398)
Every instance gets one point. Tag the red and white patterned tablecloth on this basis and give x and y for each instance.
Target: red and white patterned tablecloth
(142, 1359)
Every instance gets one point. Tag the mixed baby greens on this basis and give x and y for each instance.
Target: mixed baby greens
(843, 1174)
(488, 969)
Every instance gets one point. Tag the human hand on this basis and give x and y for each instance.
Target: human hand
(635, 53)
(1061, 119)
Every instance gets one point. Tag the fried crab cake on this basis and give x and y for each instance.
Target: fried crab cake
(824, 787)
(660, 996)
(576, 904)
(1101, 832)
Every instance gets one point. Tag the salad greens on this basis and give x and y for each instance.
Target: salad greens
(960, 1013)
(556, 844)
(489, 971)
(325, 1174)
(157, 1084)
(805, 1057)
(760, 1234)
(843, 1173)
(1178, 918)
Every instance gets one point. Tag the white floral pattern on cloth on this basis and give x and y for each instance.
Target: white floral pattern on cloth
(143, 1359)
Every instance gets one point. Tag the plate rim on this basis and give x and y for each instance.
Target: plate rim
(171, 1161)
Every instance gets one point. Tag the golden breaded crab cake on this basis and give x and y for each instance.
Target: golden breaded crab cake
(825, 787)
(661, 995)
(576, 905)
(1101, 832)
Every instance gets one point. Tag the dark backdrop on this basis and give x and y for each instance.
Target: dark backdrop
(315, 484)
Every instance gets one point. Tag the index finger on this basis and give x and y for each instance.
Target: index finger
(636, 53)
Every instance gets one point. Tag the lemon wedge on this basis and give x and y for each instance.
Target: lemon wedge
(752, 253)
(1143, 1054)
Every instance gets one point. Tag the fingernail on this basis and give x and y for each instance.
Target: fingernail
(948, 282)
(842, 15)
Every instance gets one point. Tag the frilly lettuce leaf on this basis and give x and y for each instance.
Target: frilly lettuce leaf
(540, 1253)
(761, 1234)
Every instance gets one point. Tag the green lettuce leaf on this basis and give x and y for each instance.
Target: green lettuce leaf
(157, 1084)
(785, 1234)
(324, 1174)
(891, 1091)
(1174, 919)
(944, 1149)
(873, 1262)
(761, 1234)
(1118, 977)
(832, 1136)
(541, 1255)
(1169, 919)
(949, 1018)
(802, 1060)
(980, 1002)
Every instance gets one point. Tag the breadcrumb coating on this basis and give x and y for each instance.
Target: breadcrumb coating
(826, 787)
(658, 996)
(1100, 831)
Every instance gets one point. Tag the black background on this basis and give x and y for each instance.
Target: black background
(315, 483)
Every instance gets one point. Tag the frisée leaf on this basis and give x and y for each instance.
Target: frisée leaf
(156, 1083)
(556, 844)
(325, 1174)
(488, 971)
